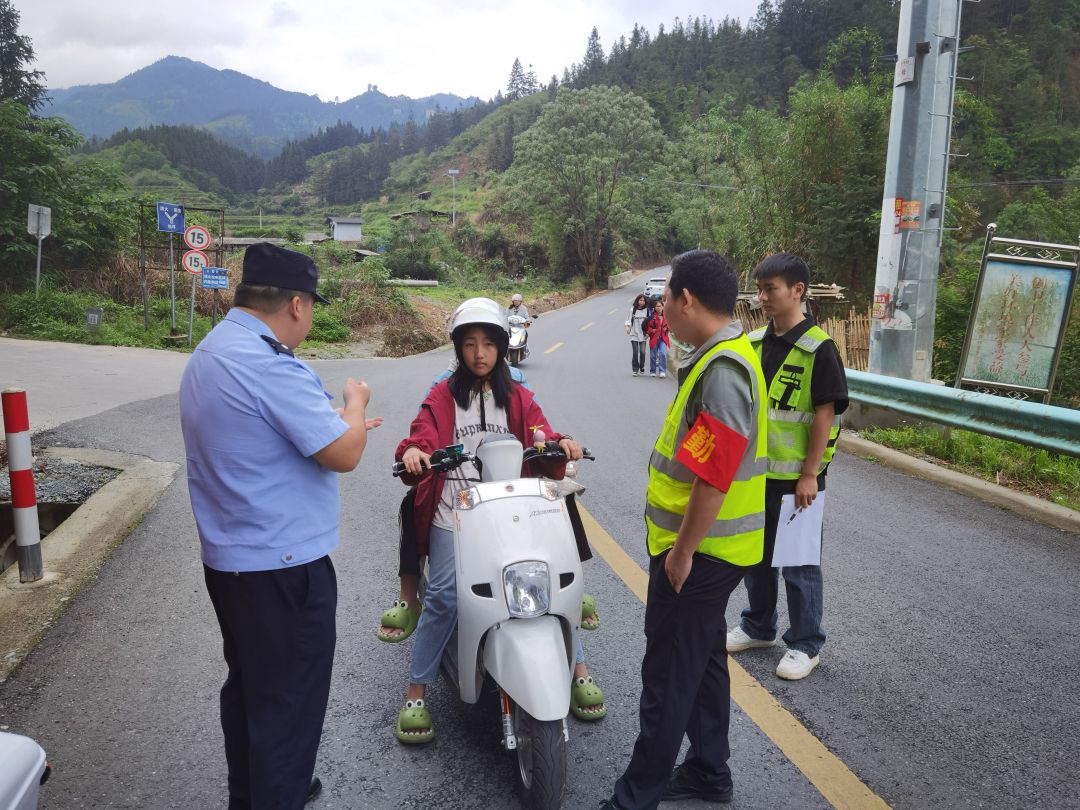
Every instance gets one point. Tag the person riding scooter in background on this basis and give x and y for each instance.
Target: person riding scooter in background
(479, 399)
(517, 307)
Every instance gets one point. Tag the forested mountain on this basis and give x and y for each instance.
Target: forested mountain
(245, 112)
(199, 156)
(358, 172)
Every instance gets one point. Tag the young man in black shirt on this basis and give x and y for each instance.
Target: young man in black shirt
(807, 393)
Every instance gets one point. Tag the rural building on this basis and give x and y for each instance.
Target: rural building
(345, 229)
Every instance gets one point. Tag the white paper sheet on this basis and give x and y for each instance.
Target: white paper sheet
(798, 534)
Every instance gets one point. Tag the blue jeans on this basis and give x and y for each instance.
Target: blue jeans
(804, 594)
(439, 617)
(638, 360)
(658, 358)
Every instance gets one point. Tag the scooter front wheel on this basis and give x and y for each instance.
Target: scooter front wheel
(541, 760)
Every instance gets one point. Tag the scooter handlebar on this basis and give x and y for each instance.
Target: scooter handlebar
(450, 458)
(552, 452)
(444, 460)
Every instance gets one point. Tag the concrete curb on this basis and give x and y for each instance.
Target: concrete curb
(1028, 506)
(73, 553)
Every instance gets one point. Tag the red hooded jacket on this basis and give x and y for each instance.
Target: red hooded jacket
(433, 428)
(656, 330)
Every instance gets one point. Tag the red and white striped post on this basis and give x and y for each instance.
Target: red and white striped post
(21, 470)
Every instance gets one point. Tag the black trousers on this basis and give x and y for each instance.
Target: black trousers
(637, 362)
(278, 629)
(685, 687)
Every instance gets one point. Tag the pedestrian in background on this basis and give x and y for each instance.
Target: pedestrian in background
(657, 330)
(264, 446)
(635, 328)
(705, 521)
(807, 394)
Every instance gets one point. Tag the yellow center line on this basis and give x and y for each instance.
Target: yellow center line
(586, 326)
(833, 779)
(553, 348)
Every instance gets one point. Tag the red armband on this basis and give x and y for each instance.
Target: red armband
(712, 451)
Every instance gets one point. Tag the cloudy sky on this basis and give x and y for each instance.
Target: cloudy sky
(338, 47)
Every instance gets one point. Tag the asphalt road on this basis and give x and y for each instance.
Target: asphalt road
(947, 679)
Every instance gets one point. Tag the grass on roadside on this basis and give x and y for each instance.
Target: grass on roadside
(58, 315)
(1037, 472)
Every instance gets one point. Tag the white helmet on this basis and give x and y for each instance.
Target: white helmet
(516, 298)
(477, 310)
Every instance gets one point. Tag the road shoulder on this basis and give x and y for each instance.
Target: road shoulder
(1050, 514)
(73, 553)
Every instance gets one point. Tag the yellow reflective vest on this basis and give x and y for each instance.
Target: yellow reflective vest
(791, 406)
(738, 533)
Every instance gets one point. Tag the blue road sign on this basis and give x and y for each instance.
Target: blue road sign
(170, 217)
(215, 278)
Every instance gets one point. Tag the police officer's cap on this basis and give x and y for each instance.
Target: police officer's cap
(274, 266)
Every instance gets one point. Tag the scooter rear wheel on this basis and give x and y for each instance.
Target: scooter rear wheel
(541, 760)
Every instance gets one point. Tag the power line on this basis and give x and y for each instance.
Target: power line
(686, 183)
(1045, 182)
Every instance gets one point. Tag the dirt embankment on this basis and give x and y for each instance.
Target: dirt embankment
(425, 329)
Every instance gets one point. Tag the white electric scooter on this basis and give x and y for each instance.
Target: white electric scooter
(519, 338)
(23, 770)
(519, 590)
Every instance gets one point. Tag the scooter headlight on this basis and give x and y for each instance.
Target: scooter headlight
(527, 585)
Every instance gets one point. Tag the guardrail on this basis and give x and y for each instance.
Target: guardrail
(1032, 423)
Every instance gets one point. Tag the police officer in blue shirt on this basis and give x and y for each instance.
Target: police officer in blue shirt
(264, 446)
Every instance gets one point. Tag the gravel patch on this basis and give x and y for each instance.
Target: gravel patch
(60, 481)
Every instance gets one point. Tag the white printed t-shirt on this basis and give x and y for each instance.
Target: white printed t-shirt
(468, 432)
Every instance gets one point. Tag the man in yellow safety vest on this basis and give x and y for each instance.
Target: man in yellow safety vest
(807, 394)
(705, 520)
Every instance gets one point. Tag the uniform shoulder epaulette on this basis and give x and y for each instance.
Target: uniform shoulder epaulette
(277, 345)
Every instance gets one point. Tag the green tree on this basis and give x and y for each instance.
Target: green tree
(573, 167)
(811, 182)
(16, 54)
(515, 86)
(593, 63)
(91, 209)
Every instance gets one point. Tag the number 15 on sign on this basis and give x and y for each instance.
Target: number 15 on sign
(194, 261)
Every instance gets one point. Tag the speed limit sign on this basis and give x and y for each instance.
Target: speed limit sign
(197, 237)
(194, 261)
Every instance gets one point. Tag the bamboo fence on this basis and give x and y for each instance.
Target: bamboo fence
(852, 338)
(851, 334)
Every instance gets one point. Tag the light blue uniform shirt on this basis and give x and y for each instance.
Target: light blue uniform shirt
(251, 420)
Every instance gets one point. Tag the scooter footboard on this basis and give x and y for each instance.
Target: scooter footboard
(527, 658)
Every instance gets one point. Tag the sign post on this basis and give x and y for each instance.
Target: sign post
(170, 220)
(194, 261)
(215, 278)
(39, 225)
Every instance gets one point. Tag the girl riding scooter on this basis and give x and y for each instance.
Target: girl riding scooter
(479, 399)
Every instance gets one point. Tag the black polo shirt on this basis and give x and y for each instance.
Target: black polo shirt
(828, 383)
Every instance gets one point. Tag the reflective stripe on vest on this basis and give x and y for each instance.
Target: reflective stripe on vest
(789, 426)
(737, 535)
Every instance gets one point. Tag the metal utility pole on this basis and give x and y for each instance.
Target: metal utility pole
(453, 183)
(916, 175)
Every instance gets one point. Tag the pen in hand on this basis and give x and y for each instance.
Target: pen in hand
(794, 515)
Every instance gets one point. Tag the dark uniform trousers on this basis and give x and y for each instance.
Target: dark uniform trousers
(685, 687)
(279, 633)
